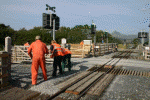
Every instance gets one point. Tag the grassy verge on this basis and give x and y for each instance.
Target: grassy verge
(121, 46)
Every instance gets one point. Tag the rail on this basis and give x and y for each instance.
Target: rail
(86, 75)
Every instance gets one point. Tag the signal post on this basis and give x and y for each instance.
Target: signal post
(50, 21)
(93, 31)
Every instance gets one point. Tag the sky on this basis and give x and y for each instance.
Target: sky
(124, 16)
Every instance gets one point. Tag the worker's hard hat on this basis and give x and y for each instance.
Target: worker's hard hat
(37, 38)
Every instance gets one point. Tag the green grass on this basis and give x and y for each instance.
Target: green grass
(121, 46)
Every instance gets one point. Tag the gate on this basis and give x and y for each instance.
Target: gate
(20, 54)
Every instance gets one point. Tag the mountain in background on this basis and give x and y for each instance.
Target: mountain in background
(123, 36)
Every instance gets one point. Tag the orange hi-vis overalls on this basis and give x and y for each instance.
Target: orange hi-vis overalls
(57, 53)
(27, 44)
(39, 50)
(81, 43)
(57, 50)
(66, 59)
(66, 51)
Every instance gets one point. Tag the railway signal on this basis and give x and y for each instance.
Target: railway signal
(93, 28)
(93, 31)
(106, 34)
(46, 21)
(51, 21)
(56, 22)
(142, 34)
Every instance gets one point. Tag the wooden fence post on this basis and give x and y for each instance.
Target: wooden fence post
(83, 51)
(112, 47)
(146, 54)
(103, 49)
(93, 49)
(99, 50)
(108, 47)
(15, 49)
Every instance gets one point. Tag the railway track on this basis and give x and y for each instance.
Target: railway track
(87, 84)
(93, 81)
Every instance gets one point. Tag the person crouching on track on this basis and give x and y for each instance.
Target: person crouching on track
(56, 51)
(39, 50)
(66, 59)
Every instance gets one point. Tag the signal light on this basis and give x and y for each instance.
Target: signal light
(47, 18)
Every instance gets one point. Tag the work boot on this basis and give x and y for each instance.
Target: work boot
(30, 86)
(33, 85)
(53, 75)
(69, 69)
(61, 73)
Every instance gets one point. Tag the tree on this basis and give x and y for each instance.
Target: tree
(4, 32)
(73, 35)
(136, 41)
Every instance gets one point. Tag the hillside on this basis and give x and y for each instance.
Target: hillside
(123, 36)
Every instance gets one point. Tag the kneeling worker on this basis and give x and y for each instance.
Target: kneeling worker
(66, 59)
(39, 50)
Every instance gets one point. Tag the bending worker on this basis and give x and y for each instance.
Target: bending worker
(56, 51)
(39, 50)
(66, 59)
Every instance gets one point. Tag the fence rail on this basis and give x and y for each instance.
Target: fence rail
(19, 52)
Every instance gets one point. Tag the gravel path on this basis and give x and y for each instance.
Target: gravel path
(129, 88)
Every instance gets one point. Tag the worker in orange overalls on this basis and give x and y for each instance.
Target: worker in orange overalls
(39, 50)
(56, 51)
(66, 59)
(81, 43)
(27, 44)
